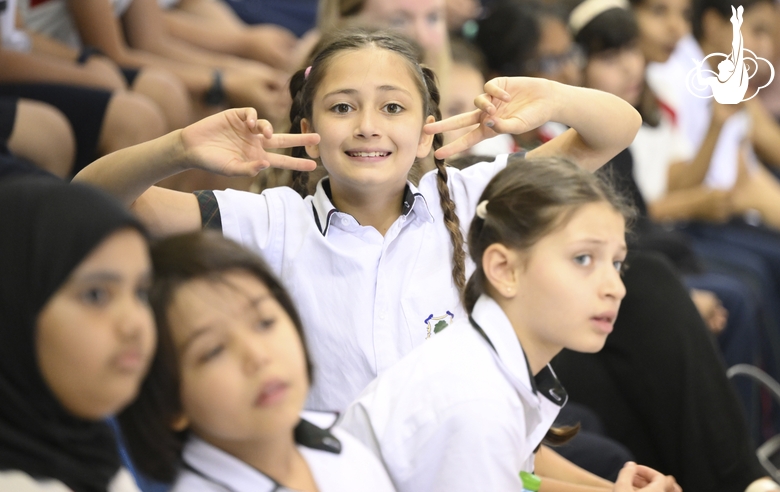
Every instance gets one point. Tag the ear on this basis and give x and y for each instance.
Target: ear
(181, 423)
(312, 150)
(424, 147)
(502, 269)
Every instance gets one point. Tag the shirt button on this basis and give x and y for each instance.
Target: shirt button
(382, 314)
(403, 218)
(345, 221)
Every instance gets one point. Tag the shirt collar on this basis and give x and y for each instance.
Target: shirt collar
(218, 467)
(323, 208)
(489, 319)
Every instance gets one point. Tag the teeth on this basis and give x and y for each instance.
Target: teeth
(368, 154)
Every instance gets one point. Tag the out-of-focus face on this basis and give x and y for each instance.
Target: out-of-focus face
(95, 336)
(662, 23)
(422, 20)
(758, 29)
(242, 363)
(557, 57)
(619, 72)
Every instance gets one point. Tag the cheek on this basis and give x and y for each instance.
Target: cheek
(209, 397)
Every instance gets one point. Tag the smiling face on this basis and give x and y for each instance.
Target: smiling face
(242, 363)
(617, 71)
(368, 112)
(568, 285)
(421, 20)
(662, 23)
(95, 336)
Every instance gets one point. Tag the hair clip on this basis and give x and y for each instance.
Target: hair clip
(306, 72)
(482, 209)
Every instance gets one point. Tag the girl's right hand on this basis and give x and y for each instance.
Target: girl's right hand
(234, 143)
(641, 478)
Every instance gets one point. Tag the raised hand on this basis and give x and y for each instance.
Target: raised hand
(509, 105)
(234, 143)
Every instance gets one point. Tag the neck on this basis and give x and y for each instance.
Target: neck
(375, 206)
(275, 456)
(538, 352)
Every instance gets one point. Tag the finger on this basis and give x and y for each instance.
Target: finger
(459, 145)
(484, 102)
(248, 115)
(626, 475)
(492, 87)
(294, 163)
(265, 128)
(288, 140)
(454, 122)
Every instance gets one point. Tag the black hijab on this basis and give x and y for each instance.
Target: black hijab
(47, 227)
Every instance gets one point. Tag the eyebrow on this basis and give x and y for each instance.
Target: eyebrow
(353, 92)
(599, 242)
(112, 277)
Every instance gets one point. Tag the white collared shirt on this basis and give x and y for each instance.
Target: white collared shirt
(458, 414)
(353, 469)
(365, 300)
(694, 114)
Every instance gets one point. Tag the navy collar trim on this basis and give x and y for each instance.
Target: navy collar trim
(323, 208)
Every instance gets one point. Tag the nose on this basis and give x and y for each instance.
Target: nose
(255, 353)
(135, 318)
(613, 285)
(367, 124)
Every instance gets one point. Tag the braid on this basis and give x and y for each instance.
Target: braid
(300, 178)
(451, 219)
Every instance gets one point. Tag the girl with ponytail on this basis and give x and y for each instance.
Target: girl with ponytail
(376, 264)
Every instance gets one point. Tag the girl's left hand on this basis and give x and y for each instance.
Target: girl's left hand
(509, 105)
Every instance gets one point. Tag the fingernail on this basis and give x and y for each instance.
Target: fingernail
(489, 123)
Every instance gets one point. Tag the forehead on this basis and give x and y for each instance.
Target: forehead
(366, 70)
(201, 299)
(598, 220)
(384, 7)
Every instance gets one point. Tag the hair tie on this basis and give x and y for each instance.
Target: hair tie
(482, 209)
(306, 72)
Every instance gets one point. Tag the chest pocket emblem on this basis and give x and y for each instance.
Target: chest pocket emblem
(436, 324)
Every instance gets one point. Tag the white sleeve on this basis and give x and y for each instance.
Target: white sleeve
(258, 221)
(467, 185)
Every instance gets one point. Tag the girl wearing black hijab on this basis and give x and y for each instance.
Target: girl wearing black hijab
(76, 334)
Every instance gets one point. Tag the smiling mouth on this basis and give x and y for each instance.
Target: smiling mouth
(367, 154)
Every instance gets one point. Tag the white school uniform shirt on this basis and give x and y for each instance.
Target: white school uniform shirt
(653, 150)
(365, 300)
(17, 481)
(10, 37)
(460, 413)
(337, 461)
(694, 114)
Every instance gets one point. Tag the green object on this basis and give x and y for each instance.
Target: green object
(440, 326)
(531, 482)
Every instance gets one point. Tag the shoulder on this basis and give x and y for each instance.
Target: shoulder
(452, 373)
(19, 481)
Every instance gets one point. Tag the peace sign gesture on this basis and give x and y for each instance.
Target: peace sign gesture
(509, 105)
(234, 143)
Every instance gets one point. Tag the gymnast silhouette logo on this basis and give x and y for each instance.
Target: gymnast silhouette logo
(735, 70)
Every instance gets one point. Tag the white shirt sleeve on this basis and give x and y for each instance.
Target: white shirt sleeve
(260, 221)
